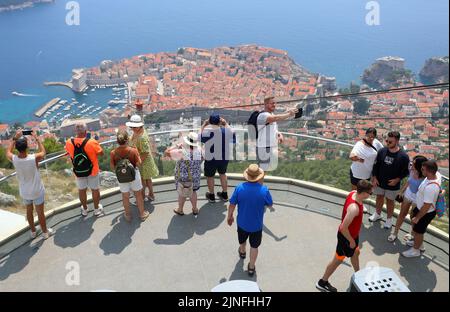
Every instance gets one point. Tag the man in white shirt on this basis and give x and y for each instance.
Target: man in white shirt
(425, 211)
(268, 135)
(31, 187)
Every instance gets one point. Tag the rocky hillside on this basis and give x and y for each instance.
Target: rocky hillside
(381, 75)
(435, 70)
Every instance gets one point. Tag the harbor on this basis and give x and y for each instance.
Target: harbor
(46, 107)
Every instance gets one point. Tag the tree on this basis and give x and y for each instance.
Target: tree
(52, 145)
(361, 106)
(4, 161)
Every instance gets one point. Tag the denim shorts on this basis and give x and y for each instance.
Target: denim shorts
(38, 201)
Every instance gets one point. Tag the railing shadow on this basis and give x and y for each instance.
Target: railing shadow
(19, 259)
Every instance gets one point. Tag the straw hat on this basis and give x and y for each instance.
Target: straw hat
(253, 173)
(135, 122)
(191, 139)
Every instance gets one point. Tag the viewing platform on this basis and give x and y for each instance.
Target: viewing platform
(183, 253)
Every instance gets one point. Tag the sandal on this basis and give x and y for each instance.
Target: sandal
(178, 213)
(151, 198)
(251, 272)
(392, 238)
(145, 216)
(242, 255)
(195, 212)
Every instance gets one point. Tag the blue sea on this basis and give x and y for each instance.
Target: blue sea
(325, 36)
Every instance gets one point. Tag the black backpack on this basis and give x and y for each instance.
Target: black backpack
(253, 121)
(82, 165)
(125, 170)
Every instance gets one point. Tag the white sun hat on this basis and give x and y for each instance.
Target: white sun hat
(135, 122)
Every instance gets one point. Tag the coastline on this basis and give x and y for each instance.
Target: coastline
(24, 5)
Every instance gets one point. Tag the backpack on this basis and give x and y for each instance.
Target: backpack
(125, 170)
(440, 206)
(253, 120)
(82, 165)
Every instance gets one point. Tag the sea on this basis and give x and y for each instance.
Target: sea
(331, 37)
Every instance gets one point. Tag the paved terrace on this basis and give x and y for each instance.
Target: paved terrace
(173, 253)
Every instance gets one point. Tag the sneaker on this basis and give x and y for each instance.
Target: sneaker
(49, 233)
(223, 196)
(33, 235)
(365, 210)
(392, 238)
(99, 211)
(325, 286)
(411, 253)
(410, 243)
(408, 237)
(210, 197)
(388, 223)
(84, 212)
(375, 217)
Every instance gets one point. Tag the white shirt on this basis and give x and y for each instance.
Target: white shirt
(267, 135)
(428, 193)
(377, 144)
(30, 183)
(364, 170)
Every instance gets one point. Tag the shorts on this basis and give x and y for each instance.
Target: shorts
(92, 182)
(267, 158)
(386, 193)
(255, 237)
(410, 196)
(354, 181)
(422, 225)
(134, 186)
(343, 247)
(37, 201)
(213, 166)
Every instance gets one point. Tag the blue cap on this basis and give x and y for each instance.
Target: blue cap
(214, 119)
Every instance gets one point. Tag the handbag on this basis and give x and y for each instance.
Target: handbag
(185, 188)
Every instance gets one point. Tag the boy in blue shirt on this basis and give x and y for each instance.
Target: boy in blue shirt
(251, 197)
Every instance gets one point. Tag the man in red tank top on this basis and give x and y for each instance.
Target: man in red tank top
(348, 233)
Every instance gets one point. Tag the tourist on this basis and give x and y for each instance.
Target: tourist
(218, 138)
(425, 211)
(363, 157)
(391, 166)
(84, 153)
(124, 152)
(31, 188)
(148, 168)
(188, 157)
(251, 198)
(348, 234)
(407, 194)
(268, 135)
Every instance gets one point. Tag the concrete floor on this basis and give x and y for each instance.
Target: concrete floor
(172, 253)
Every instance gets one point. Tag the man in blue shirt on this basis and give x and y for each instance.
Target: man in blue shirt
(251, 198)
(219, 139)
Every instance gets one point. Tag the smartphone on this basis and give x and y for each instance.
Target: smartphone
(88, 135)
(27, 132)
(299, 113)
